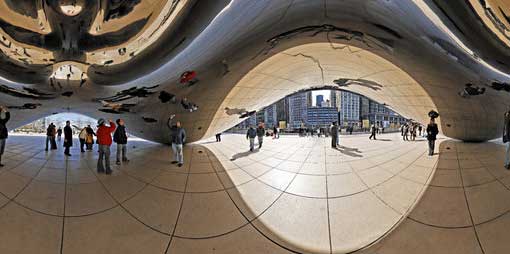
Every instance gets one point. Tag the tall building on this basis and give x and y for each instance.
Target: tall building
(349, 109)
(334, 97)
(297, 110)
(282, 110)
(309, 99)
(364, 107)
(318, 100)
(270, 116)
(321, 116)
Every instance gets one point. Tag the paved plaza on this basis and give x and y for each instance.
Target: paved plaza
(295, 195)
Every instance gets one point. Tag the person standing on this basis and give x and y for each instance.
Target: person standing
(90, 138)
(260, 134)
(275, 132)
(420, 129)
(432, 131)
(50, 137)
(334, 135)
(251, 134)
(104, 140)
(68, 138)
(373, 129)
(406, 132)
(506, 138)
(218, 137)
(177, 139)
(120, 137)
(5, 116)
(83, 137)
(59, 134)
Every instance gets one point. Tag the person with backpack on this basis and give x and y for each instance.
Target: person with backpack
(89, 141)
(5, 116)
(120, 137)
(104, 140)
(432, 131)
(506, 138)
(68, 138)
(177, 139)
(50, 137)
(251, 134)
(83, 137)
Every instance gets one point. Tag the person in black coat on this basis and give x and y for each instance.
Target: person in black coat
(120, 137)
(5, 116)
(68, 138)
(432, 131)
(334, 135)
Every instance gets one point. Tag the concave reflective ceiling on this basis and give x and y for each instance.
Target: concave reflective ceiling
(37, 36)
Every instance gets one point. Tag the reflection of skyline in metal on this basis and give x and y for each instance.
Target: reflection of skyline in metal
(36, 34)
(71, 7)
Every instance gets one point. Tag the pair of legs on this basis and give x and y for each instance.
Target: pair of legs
(252, 144)
(121, 152)
(432, 144)
(373, 135)
(104, 154)
(66, 150)
(178, 155)
(507, 159)
(2, 149)
(218, 137)
(82, 144)
(51, 141)
(334, 141)
(405, 137)
(261, 140)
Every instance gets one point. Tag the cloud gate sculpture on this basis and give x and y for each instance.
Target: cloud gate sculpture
(208, 61)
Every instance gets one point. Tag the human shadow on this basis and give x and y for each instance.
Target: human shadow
(243, 154)
(383, 139)
(352, 152)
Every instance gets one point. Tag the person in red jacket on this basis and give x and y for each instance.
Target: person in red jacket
(104, 140)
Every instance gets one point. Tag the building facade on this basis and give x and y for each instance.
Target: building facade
(349, 109)
(321, 116)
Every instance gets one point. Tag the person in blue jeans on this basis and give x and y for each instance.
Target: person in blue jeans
(177, 139)
(251, 134)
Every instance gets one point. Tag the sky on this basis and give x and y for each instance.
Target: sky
(325, 93)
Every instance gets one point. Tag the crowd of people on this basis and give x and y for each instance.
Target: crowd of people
(103, 134)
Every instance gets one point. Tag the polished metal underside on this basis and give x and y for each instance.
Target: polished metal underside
(120, 58)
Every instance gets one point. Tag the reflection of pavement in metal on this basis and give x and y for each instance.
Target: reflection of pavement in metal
(294, 195)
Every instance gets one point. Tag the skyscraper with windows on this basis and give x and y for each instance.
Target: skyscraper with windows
(270, 116)
(298, 110)
(349, 108)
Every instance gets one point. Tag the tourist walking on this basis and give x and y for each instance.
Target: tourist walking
(59, 134)
(218, 137)
(120, 137)
(104, 140)
(413, 132)
(68, 138)
(506, 138)
(251, 134)
(5, 116)
(373, 129)
(83, 137)
(432, 131)
(177, 139)
(260, 134)
(50, 137)
(275, 132)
